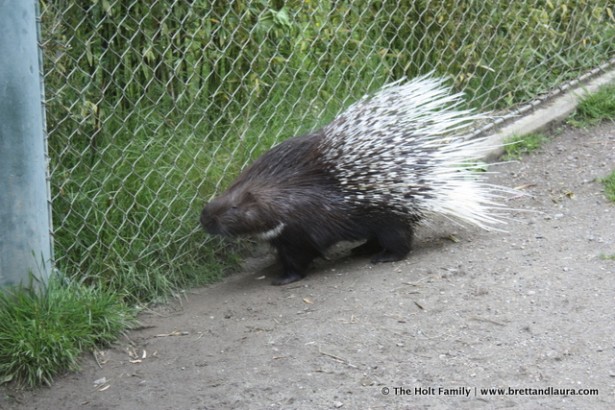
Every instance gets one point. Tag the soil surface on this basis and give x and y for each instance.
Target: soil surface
(531, 309)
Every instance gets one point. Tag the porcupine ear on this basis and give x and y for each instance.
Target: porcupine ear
(248, 198)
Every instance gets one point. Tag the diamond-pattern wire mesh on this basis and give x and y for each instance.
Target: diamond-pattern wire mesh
(153, 107)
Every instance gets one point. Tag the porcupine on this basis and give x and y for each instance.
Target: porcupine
(379, 168)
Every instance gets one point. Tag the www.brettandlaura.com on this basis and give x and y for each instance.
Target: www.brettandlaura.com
(488, 391)
(529, 391)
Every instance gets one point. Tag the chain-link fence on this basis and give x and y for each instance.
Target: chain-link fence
(154, 106)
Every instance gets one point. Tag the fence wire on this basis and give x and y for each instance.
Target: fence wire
(152, 107)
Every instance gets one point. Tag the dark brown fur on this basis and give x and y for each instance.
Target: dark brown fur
(290, 187)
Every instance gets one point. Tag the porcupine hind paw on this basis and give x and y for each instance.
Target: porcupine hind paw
(370, 247)
(394, 241)
(286, 278)
(388, 256)
(380, 255)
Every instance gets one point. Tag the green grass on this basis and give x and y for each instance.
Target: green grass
(595, 108)
(43, 332)
(128, 220)
(519, 145)
(607, 257)
(609, 186)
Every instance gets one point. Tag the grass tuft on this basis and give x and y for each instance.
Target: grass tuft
(519, 145)
(43, 331)
(606, 257)
(609, 186)
(595, 108)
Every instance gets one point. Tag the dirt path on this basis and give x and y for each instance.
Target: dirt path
(533, 308)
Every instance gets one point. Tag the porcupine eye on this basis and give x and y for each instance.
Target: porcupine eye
(248, 211)
(237, 214)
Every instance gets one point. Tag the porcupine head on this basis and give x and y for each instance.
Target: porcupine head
(387, 162)
(240, 211)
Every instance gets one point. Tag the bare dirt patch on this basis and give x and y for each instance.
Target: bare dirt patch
(533, 308)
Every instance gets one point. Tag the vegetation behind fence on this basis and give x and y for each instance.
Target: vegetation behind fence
(152, 107)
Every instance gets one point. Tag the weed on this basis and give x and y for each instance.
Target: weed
(518, 146)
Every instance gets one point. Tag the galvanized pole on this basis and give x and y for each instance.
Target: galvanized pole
(25, 244)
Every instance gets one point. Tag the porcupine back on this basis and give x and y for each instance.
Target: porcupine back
(406, 149)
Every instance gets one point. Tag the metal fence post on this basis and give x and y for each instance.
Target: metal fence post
(25, 244)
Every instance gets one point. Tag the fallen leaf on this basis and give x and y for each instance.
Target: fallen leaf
(100, 381)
